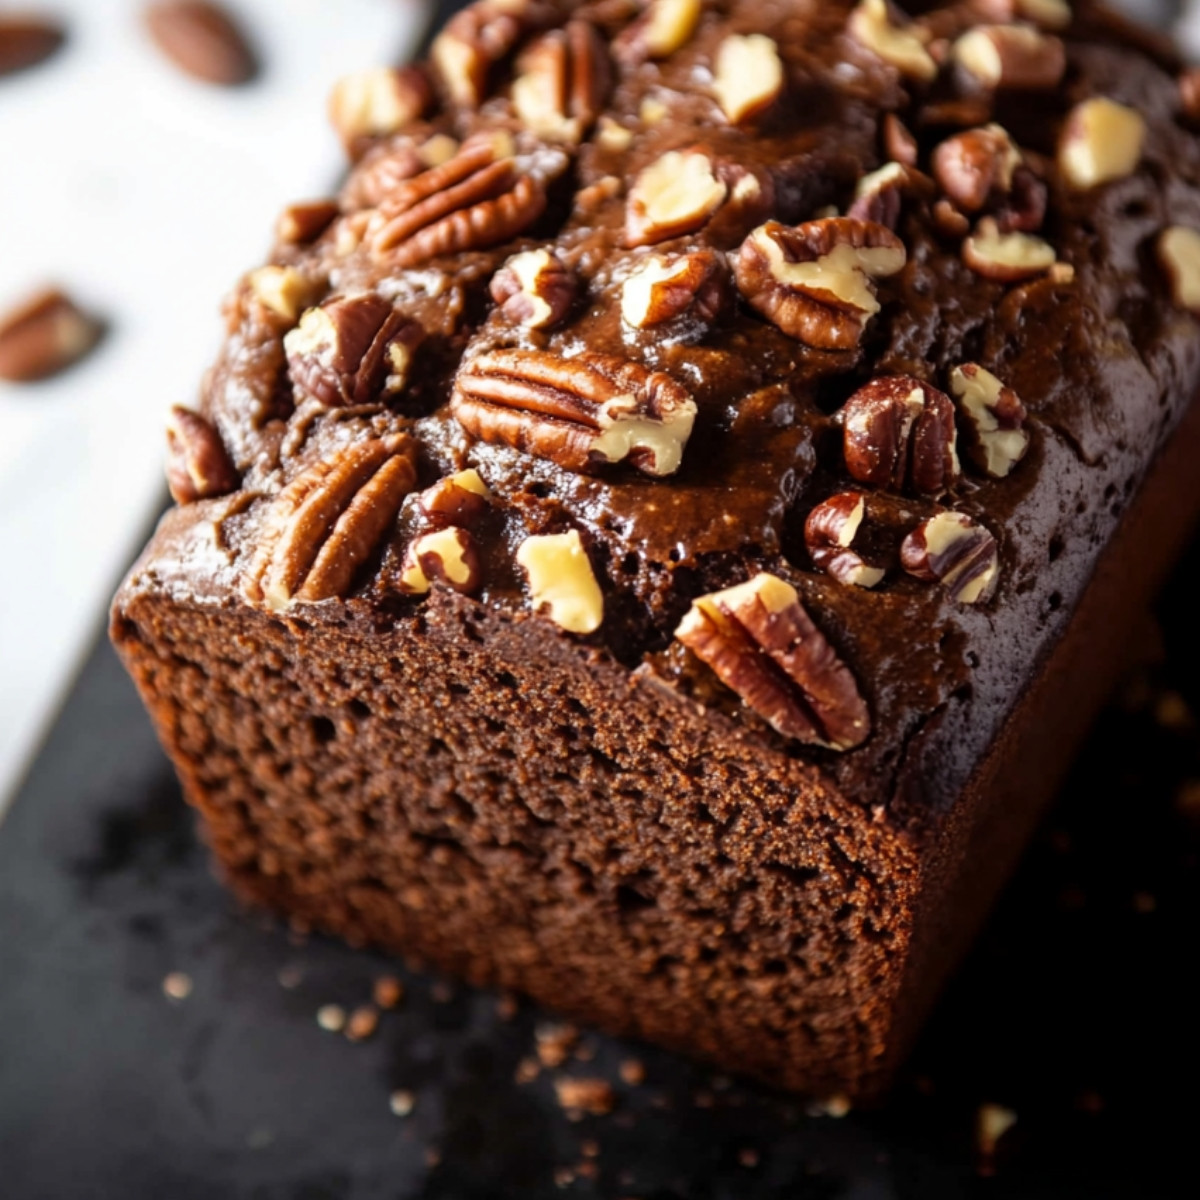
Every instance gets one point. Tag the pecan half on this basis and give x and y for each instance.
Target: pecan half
(377, 101)
(565, 77)
(198, 465)
(815, 280)
(1178, 251)
(975, 166)
(44, 335)
(561, 581)
(748, 76)
(695, 287)
(674, 195)
(328, 522)
(995, 417)
(1101, 141)
(444, 556)
(829, 534)
(476, 199)
(352, 350)
(761, 643)
(955, 551)
(898, 433)
(1011, 56)
(202, 39)
(478, 38)
(1006, 257)
(665, 26)
(579, 412)
(903, 46)
(458, 499)
(534, 289)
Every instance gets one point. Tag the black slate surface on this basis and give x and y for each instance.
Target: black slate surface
(1076, 1010)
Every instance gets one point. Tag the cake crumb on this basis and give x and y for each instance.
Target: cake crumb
(1144, 903)
(748, 1157)
(836, 1107)
(177, 986)
(1171, 712)
(290, 977)
(633, 1072)
(992, 1122)
(528, 1069)
(555, 1043)
(402, 1103)
(589, 1148)
(587, 1170)
(1090, 1102)
(433, 1157)
(363, 1022)
(331, 1018)
(387, 992)
(704, 1099)
(442, 992)
(563, 1177)
(507, 1007)
(594, 1097)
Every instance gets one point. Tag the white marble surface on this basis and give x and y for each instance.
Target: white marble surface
(146, 193)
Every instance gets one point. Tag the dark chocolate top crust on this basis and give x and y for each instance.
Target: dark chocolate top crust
(692, 375)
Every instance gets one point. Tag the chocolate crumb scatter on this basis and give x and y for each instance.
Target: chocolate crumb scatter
(331, 1018)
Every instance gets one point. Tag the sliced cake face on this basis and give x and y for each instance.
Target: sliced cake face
(770, 373)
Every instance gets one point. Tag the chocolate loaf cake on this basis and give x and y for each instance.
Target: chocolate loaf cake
(653, 540)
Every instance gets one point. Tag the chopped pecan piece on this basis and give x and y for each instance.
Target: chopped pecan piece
(815, 280)
(666, 26)
(459, 499)
(879, 196)
(975, 166)
(534, 289)
(1101, 141)
(198, 465)
(579, 412)
(284, 290)
(949, 221)
(899, 142)
(903, 46)
(377, 101)
(1179, 255)
(761, 643)
(44, 335)
(328, 522)
(748, 77)
(829, 534)
(444, 556)
(674, 195)
(898, 432)
(352, 350)
(1006, 257)
(955, 551)
(476, 199)
(664, 288)
(1011, 56)
(480, 36)
(995, 417)
(565, 77)
(562, 582)
(300, 224)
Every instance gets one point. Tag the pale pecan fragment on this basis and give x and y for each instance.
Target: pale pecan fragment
(815, 280)
(300, 224)
(579, 412)
(748, 76)
(565, 77)
(1006, 257)
(955, 551)
(665, 26)
(674, 195)
(995, 417)
(478, 38)
(458, 499)
(377, 101)
(561, 581)
(284, 290)
(879, 196)
(352, 350)
(1101, 141)
(534, 289)
(1015, 57)
(444, 556)
(898, 433)
(761, 643)
(903, 46)
(663, 288)
(476, 199)
(202, 39)
(198, 465)
(44, 335)
(325, 525)
(1179, 255)
(829, 534)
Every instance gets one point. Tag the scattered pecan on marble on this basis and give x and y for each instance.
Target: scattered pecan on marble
(328, 522)
(352, 350)
(581, 412)
(983, 168)
(955, 551)
(202, 39)
(198, 465)
(761, 643)
(829, 534)
(43, 335)
(563, 80)
(898, 433)
(994, 417)
(815, 281)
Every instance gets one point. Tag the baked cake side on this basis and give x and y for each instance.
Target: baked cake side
(630, 529)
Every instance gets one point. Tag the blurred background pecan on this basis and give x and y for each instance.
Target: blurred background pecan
(564, 79)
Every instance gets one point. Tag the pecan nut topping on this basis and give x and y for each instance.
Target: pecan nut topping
(565, 77)
(328, 522)
(974, 166)
(1101, 141)
(300, 224)
(352, 350)
(665, 26)
(198, 465)
(902, 46)
(1006, 257)
(534, 289)
(377, 102)
(579, 412)
(761, 643)
(829, 534)
(748, 76)
(458, 499)
(879, 196)
(955, 551)
(446, 556)
(814, 281)
(898, 433)
(476, 199)
(995, 417)
(561, 581)
(1011, 56)
(690, 287)
(674, 195)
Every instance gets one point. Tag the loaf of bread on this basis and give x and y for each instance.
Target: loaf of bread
(653, 540)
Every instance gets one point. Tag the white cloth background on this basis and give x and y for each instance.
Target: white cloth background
(147, 193)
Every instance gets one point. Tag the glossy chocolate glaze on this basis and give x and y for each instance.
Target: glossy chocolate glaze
(1104, 363)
